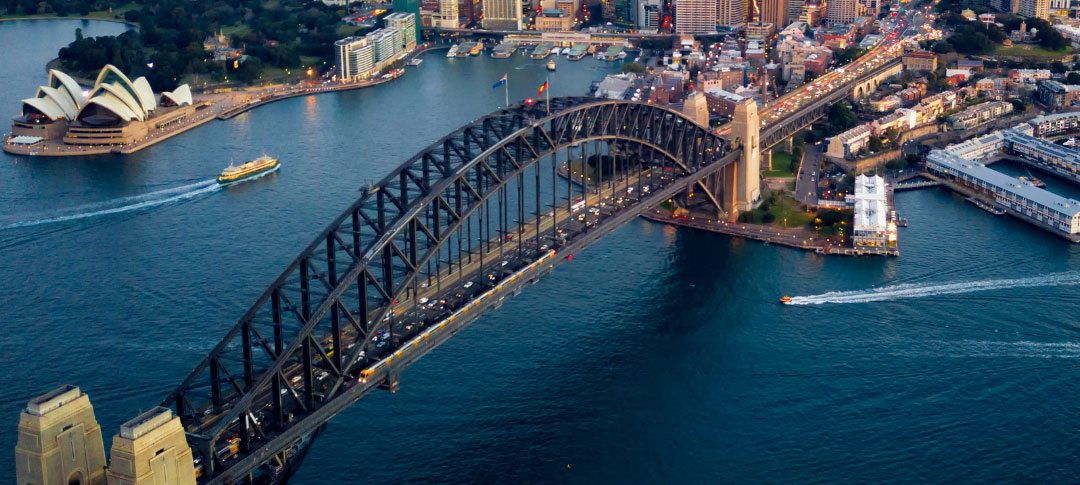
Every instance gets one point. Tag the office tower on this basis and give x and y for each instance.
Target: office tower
(695, 16)
(502, 14)
(730, 13)
(841, 11)
(775, 12)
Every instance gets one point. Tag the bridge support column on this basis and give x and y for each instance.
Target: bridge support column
(788, 144)
(746, 128)
(59, 441)
(766, 156)
(729, 184)
(153, 450)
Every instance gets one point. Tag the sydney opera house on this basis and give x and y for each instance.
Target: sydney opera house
(115, 111)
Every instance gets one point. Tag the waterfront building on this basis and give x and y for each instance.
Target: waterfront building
(409, 6)
(386, 43)
(730, 13)
(1022, 198)
(116, 110)
(615, 86)
(405, 23)
(901, 119)
(350, 64)
(919, 61)
(979, 115)
(695, 16)
(873, 230)
(1056, 124)
(502, 14)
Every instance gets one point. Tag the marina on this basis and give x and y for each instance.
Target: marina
(577, 52)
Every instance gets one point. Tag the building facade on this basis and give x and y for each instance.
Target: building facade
(1035, 8)
(730, 13)
(839, 12)
(919, 61)
(695, 16)
(405, 23)
(775, 12)
(502, 14)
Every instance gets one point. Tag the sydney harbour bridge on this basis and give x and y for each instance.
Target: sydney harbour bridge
(448, 235)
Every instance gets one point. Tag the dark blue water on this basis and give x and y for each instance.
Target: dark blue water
(656, 355)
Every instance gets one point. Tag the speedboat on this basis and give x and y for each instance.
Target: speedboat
(785, 299)
(551, 64)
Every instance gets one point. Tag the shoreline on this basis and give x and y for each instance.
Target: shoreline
(53, 17)
(41, 149)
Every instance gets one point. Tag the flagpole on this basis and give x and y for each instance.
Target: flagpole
(547, 90)
(507, 86)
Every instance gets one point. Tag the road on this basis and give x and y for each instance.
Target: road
(806, 183)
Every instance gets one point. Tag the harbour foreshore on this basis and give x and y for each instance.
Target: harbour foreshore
(209, 107)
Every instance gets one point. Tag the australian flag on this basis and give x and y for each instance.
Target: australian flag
(500, 82)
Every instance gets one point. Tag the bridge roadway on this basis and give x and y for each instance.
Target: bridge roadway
(305, 351)
(346, 316)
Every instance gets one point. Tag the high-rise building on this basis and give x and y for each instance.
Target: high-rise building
(1035, 8)
(730, 13)
(842, 11)
(794, 10)
(346, 55)
(695, 16)
(649, 13)
(386, 43)
(502, 14)
(405, 23)
(447, 17)
(775, 12)
(618, 12)
(409, 6)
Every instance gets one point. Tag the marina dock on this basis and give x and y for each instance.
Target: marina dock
(541, 51)
(577, 52)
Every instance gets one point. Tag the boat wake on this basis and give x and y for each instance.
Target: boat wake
(913, 290)
(125, 204)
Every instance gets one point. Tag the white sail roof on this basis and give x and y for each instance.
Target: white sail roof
(114, 105)
(62, 99)
(64, 83)
(180, 96)
(46, 106)
(146, 95)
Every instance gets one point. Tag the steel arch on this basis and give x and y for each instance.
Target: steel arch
(378, 247)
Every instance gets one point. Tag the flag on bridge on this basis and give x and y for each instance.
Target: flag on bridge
(543, 87)
(500, 82)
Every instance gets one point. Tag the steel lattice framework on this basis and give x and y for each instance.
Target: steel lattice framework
(349, 313)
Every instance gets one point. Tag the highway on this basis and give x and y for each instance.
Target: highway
(914, 29)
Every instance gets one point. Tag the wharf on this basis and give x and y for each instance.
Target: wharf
(577, 52)
(973, 196)
(543, 50)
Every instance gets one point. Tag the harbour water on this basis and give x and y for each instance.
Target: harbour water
(655, 355)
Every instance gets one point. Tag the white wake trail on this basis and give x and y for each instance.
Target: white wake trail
(905, 291)
(144, 201)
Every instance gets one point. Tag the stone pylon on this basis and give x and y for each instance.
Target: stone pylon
(745, 131)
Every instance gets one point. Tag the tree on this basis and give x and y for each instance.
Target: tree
(943, 47)
(807, 32)
(850, 54)
(1057, 67)
(633, 67)
(892, 134)
(1018, 105)
(1073, 78)
(875, 144)
(841, 117)
(912, 160)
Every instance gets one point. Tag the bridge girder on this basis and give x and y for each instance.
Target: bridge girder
(317, 320)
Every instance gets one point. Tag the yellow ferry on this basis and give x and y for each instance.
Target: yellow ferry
(255, 167)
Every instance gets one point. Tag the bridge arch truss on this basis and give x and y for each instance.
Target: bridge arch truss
(446, 236)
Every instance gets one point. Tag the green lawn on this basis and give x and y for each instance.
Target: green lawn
(785, 212)
(1031, 51)
(781, 162)
(238, 30)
